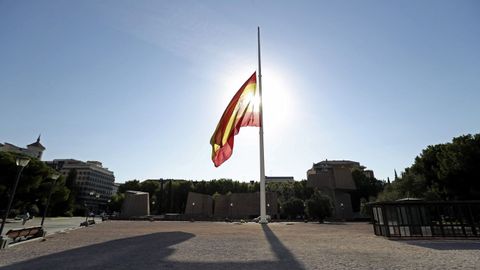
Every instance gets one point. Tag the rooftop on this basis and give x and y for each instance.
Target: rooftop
(37, 144)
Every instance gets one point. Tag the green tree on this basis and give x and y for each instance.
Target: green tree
(368, 189)
(319, 206)
(288, 190)
(116, 202)
(33, 187)
(293, 207)
(447, 171)
(61, 203)
(150, 186)
(68, 205)
(129, 185)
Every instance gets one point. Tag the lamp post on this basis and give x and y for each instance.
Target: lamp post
(108, 206)
(54, 177)
(231, 210)
(96, 196)
(97, 199)
(86, 212)
(21, 164)
(342, 208)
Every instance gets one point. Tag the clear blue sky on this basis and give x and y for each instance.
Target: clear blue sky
(141, 85)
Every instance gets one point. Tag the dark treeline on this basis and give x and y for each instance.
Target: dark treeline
(295, 199)
(449, 171)
(33, 188)
(170, 195)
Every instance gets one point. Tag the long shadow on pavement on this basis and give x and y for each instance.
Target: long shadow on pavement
(284, 256)
(151, 252)
(138, 252)
(446, 245)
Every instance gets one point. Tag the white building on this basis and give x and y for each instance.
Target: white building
(34, 150)
(94, 183)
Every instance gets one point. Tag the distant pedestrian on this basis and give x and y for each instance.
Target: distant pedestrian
(25, 218)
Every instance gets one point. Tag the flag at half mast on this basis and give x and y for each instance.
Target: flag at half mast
(243, 110)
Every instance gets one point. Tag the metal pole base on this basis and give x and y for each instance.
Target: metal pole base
(3, 242)
(263, 221)
(42, 233)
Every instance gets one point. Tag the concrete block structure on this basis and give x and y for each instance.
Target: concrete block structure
(136, 204)
(244, 205)
(334, 178)
(199, 205)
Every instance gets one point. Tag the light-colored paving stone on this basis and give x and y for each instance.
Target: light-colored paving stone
(210, 245)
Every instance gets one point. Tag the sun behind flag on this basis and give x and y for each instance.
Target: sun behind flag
(243, 110)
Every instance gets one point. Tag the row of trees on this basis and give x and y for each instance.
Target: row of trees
(295, 199)
(448, 171)
(441, 172)
(170, 195)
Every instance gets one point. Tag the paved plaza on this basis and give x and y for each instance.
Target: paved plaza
(218, 245)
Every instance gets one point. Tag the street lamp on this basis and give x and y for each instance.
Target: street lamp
(108, 206)
(342, 208)
(54, 177)
(96, 196)
(153, 207)
(21, 164)
(86, 212)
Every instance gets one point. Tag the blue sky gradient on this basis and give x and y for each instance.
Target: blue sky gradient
(141, 85)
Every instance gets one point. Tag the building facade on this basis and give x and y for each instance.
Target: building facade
(94, 183)
(34, 150)
(334, 178)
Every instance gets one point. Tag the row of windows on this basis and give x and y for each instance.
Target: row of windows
(88, 184)
(97, 174)
(80, 173)
(96, 180)
(85, 191)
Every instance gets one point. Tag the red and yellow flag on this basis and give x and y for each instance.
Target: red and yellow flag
(243, 110)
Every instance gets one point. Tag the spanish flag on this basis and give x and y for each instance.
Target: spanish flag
(243, 110)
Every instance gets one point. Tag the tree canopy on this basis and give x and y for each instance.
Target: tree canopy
(367, 190)
(448, 171)
(33, 187)
(319, 206)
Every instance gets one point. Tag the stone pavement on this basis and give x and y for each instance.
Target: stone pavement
(218, 245)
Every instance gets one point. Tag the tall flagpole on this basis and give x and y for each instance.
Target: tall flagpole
(263, 214)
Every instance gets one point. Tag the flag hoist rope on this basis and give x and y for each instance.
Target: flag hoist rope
(263, 214)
